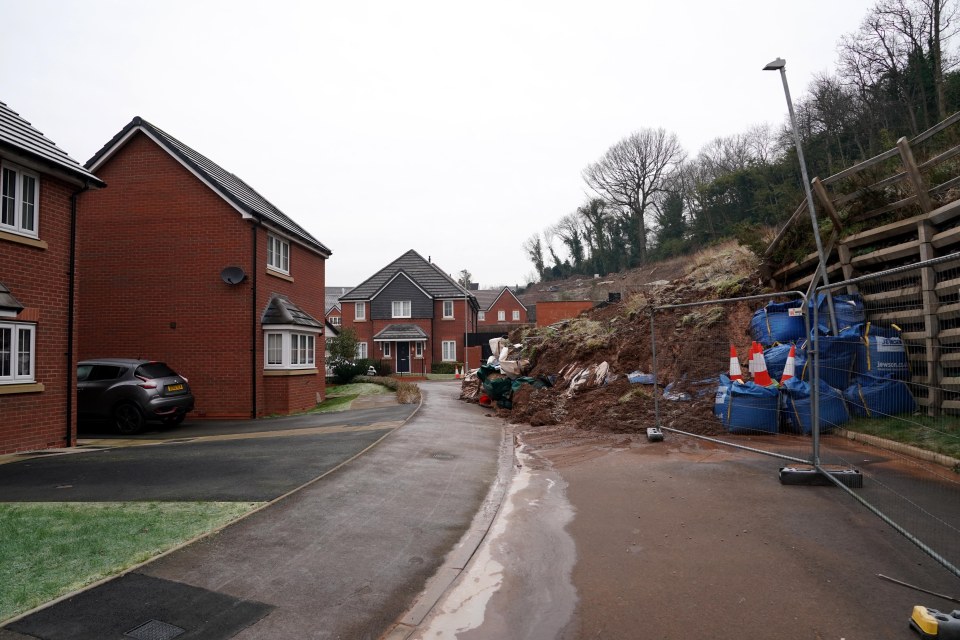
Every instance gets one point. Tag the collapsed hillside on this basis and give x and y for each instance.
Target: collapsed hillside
(619, 334)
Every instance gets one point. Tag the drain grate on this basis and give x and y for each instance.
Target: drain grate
(154, 630)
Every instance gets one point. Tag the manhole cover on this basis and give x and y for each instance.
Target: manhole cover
(439, 455)
(154, 630)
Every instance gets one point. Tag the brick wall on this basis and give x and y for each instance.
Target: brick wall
(508, 304)
(154, 244)
(555, 311)
(38, 278)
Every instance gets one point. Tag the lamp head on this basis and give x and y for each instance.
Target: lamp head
(776, 65)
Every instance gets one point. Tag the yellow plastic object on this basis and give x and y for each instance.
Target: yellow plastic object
(924, 622)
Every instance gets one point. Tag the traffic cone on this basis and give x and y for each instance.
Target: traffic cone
(456, 371)
(736, 375)
(751, 365)
(789, 369)
(760, 376)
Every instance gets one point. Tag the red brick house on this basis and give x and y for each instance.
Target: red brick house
(410, 314)
(40, 189)
(499, 308)
(186, 263)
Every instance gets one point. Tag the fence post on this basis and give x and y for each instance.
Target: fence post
(656, 374)
(931, 321)
(815, 378)
(906, 155)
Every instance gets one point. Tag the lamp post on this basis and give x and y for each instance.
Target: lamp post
(781, 65)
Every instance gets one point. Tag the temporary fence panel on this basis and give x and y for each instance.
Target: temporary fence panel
(903, 399)
(749, 414)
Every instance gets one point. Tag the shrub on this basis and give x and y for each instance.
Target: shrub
(344, 371)
(445, 367)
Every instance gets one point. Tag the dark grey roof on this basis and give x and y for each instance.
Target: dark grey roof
(486, 297)
(229, 186)
(282, 311)
(19, 135)
(7, 301)
(401, 332)
(426, 275)
(331, 297)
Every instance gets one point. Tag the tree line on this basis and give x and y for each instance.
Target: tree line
(896, 76)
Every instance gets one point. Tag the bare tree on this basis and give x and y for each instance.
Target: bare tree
(630, 175)
(570, 229)
(534, 248)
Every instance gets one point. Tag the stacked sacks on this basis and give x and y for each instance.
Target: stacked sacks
(774, 323)
(848, 310)
(796, 394)
(748, 407)
(878, 389)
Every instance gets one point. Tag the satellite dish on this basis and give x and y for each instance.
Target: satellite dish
(233, 275)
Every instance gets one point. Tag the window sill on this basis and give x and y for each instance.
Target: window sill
(290, 372)
(26, 240)
(29, 387)
(279, 274)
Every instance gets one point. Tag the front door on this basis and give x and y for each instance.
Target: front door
(403, 357)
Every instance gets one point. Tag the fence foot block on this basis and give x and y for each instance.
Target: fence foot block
(807, 475)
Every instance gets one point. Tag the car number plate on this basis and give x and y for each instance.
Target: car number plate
(174, 387)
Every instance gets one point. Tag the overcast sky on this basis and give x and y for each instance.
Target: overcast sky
(457, 129)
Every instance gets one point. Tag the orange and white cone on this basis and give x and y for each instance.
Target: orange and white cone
(790, 369)
(736, 375)
(456, 371)
(751, 366)
(760, 375)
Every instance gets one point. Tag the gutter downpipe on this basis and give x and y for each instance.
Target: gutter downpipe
(71, 311)
(253, 320)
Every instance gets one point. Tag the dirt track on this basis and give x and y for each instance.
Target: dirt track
(682, 540)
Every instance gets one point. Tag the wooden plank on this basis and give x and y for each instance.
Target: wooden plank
(909, 225)
(887, 254)
(902, 293)
(900, 314)
(876, 186)
(916, 180)
(946, 238)
(943, 186)
(950, 404)
(827, 204)
(943, 157)
(899, 204)
(946, 213)
(950, 381)
(783, 230)
(935, 129)
(946, 334)
(945, 285)
(857, 168)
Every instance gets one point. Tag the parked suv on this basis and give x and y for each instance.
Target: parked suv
(130, 392)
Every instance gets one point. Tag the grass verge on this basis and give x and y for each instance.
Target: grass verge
(940, 435)
(52, 548)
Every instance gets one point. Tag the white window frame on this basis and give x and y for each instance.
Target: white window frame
(386, 350)
(501, 315)
(449, 350)
(516, 315)
(17, 223)
(448, 309)
(297, 349)
(401, 309)
(362, 351)
(334, 320)
(10, 365)
(481, 316)
(418, 350)
(278, 254)
(359, 310)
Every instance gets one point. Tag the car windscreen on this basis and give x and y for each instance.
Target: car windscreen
(153, 370)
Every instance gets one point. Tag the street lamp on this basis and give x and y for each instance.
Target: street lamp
(781, 65)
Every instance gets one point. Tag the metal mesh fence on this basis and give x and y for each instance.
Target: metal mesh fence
(902, 393)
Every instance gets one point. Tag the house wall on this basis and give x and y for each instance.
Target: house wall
(155, 243)
(508, 304)
(35, 416)
(401, 288)
(451, 328)
(554, 311)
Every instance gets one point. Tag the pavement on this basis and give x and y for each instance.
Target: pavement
(372, 543)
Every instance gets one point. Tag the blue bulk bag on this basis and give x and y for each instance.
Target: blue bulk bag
(773, 323)
(797, 405)
(837, 354)
(751, 409)
(722, 397)
(776, 359)
(848, 309)
(881, 353)
(879, 397)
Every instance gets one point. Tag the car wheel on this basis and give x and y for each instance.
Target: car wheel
(128, 418)
(172, 421)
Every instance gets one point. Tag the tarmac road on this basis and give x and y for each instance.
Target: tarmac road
(343, 557)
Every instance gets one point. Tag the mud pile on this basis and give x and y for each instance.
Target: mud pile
(620, 335)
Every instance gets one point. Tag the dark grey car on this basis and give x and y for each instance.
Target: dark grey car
(130, 392)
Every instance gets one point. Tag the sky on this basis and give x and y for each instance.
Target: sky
(457, 129)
